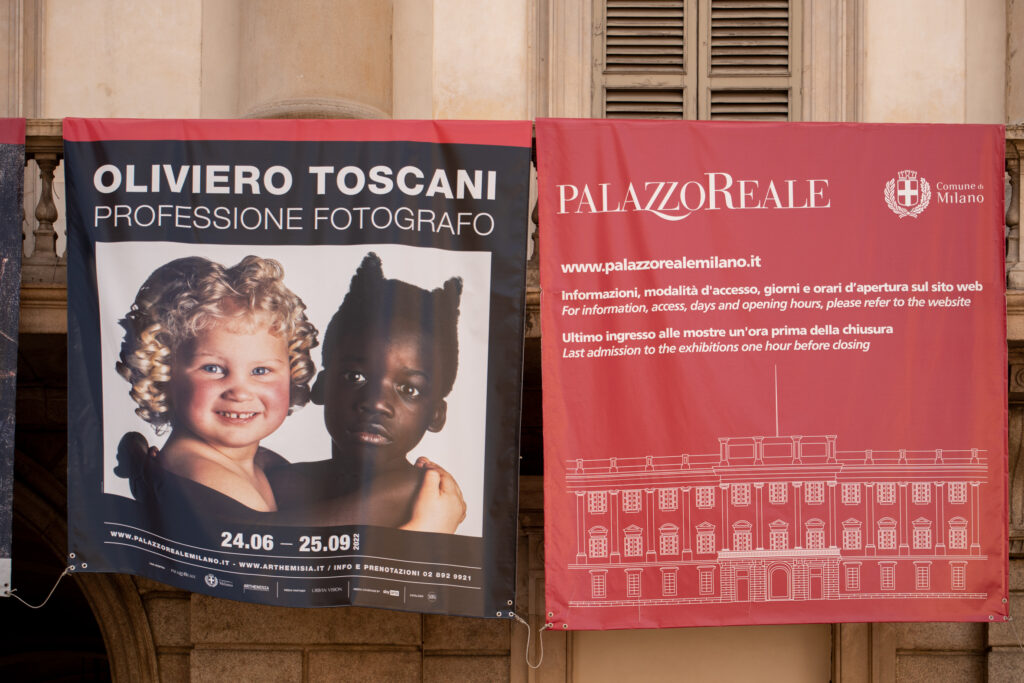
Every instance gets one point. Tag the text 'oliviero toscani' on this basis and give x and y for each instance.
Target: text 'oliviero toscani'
(249, 180)
(674, 200)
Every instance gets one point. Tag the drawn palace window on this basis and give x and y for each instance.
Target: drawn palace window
(741, 495)
(597, 542)
(921, 493)
(633, 544)
(815, 534)
(887, 533)
(631, 501)
(958, 492)
(706, 580)
(851, 494)
(958, 575)
(778, 493)
(851, 534)
(886, 493)
(814, 492)
(958, 533)
(705, 497)
(669, 581)
(633, 583)
(597, 502)
(851, 575)
(922, 576)
(705, 538)
(668, 499)
(668, 539)
(741, 537)
(887, 576)
(922, 534)
(598, 583)
(778, 535)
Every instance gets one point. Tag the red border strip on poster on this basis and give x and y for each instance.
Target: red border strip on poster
(12, 131)
(774, 373)
(461, 132)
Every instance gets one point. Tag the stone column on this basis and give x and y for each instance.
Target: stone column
(314, 59)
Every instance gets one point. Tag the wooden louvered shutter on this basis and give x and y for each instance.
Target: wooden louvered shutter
(752, 60)
(689, 59)
(645, 65)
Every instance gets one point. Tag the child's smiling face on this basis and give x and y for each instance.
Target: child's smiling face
(230, 386)
(381, 395)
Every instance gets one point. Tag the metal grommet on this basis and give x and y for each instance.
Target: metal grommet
(509, 603)
(84, 565)
(991, 618)
(499, 613)
(565, 625)
(1004, 601)
(550, 614)
(71, 555)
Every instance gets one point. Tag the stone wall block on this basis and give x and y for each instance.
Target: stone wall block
(173, 667)
(464, 633)
(1016, 574)
(1002, 633)
(168, 619)
(1005, 665)
(150, 586)
(443, 669)
(327, 666)
(932, 668)
(940, 636)
(223, 621)
(250, 666)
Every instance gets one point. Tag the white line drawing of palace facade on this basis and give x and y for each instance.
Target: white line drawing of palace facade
(777, 518)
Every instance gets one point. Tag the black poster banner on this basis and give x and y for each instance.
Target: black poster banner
(295, 356)
(12, 180)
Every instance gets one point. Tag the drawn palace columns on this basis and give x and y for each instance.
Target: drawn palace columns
(581, 527)
(798, 522)
(869, 519)
(761, 521)
(650, 531)
(684, 505)
(975, 518)
(940, 518)
(759, 509)
(904, 513)
(833, 509)
(616, 531)
(726, 502)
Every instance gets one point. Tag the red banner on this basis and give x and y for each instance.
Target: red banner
(774, 373)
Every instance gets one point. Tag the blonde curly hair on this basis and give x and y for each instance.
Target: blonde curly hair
(188, 295)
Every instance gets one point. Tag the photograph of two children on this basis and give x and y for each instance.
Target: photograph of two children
(311, 398)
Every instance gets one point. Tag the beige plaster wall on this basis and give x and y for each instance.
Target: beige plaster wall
(985, 87)
(770, 654)
(480, 59)
(413, 59)
(221, 51)
(121, 58)
(1015, 61)
(914, 61)
(934, 61)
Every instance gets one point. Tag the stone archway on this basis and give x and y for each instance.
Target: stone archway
(113, 598)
